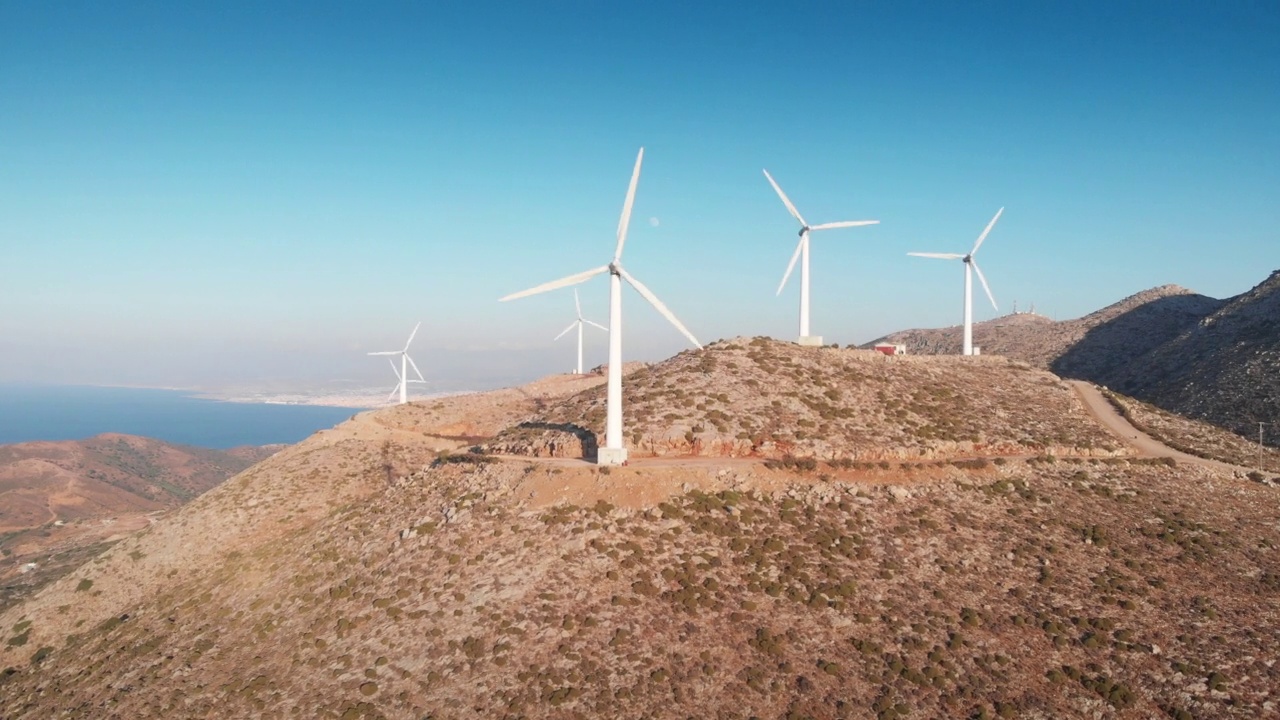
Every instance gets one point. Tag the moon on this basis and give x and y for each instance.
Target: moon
(654, 221)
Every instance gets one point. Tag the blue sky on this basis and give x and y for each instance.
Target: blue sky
(258, 193)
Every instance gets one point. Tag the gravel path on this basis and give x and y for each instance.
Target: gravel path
(1111, 419)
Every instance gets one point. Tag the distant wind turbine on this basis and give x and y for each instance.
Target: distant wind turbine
(402, 374)
(613, 453)
(400, 380)
(578, 324)
(802, 251)
(969, 262)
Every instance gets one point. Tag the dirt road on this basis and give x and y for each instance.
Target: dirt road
(1111, 419)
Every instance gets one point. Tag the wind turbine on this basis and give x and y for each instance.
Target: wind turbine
(578, 324)
(400, 380)
(969, 262)
(613, 453)
(802, 250)
(405, 362)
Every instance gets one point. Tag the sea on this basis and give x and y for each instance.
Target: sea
(30, 412)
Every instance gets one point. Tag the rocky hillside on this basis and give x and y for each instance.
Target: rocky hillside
(62, 503)
(770, 399)
(1224, 368)
(1215, 360)
(41, 482)
(364, 573)
(1196, 437)
(1107, 338)
(1120, 336)
(311, 586)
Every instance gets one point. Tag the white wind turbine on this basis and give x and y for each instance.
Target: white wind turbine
(402, 374)
(613, 453)
(399, 388)
(578, 324)
(969, 262)
(802, 251)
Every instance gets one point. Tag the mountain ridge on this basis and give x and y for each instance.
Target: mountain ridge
(64, 501)
(1205, 358)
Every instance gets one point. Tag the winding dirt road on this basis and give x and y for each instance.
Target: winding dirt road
(1111, 419)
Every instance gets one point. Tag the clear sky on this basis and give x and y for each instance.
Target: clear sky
(214, 194)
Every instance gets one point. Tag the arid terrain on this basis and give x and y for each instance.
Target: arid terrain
(62, 503)
(850, 535)
(1214, 360)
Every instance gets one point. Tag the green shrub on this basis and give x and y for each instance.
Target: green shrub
(470, 457)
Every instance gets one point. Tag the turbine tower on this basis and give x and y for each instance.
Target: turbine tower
(802, 252)
(613, 453)
(399, 380)
(578, 324)
(969, 263)
(402, 375)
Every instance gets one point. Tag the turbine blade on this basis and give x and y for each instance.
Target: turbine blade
(414, 365)
(395, 369)
(395, 391)
(625, 220)
(940, 256)
(412, 334)
(557, 284)
(389, 352)
(785, 200)
(790, 266)
(572, 325)
(595, 324)
(844, 224)
(983, 236)
(657, 305)
(985, 286)
(577, 303)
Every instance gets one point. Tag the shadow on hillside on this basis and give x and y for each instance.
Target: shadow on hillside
(1107, 354)
(587, 438)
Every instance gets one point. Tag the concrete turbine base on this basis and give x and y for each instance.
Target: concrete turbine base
(611, 456)
(810, 340)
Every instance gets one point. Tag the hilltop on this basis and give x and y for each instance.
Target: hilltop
(1225, 368)
(1116, 334)
(41, 482)
(1214, 360)
(66, 498)
(383, 568)
(767, 399)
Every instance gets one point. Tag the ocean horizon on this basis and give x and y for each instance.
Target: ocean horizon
(76, 412)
